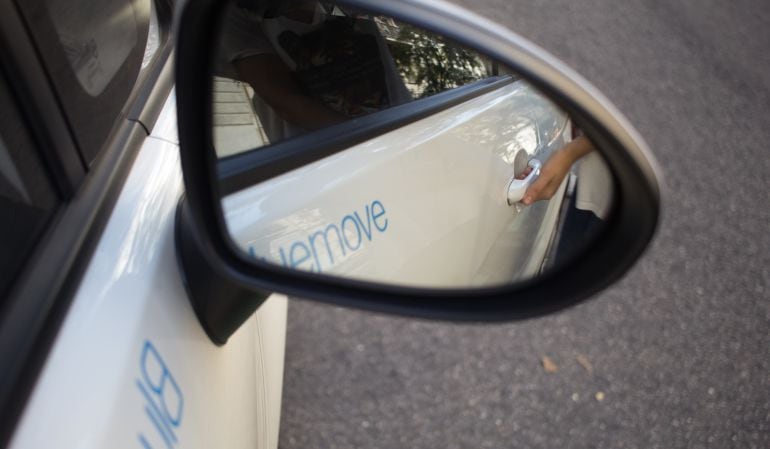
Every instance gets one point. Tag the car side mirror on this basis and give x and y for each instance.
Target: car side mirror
(406, 157)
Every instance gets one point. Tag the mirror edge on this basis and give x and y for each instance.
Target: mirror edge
(633, 222)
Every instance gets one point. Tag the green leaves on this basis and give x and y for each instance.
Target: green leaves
(431, 64)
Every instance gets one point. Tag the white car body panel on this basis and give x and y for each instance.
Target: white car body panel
(423, 205)
(132, 366)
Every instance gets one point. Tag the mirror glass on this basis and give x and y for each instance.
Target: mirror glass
(356, 145)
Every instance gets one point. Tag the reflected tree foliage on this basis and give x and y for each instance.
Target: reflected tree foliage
(429, 63)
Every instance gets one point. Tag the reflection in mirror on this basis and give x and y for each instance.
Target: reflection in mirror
(436, 166)
(289, 67)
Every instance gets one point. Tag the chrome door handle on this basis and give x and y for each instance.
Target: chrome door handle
(518, 187)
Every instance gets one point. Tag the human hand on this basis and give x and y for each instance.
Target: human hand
(551, 176)
(555, 169)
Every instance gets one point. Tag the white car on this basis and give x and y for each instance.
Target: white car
(100, 345)
(124, 324)
(371, 210)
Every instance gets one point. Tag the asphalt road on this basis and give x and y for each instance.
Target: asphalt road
(680, 348)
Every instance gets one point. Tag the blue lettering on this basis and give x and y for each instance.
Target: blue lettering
(295, 262)
(350, 219)
(376, 215)
(300, 251)
(367, 230)
(164, 399)
(283, 257)
(162, 379)
(325, 234)
(144, 442)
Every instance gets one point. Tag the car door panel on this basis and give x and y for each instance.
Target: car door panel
(131, 366)
(423, 205)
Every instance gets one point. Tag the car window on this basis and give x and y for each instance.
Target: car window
(94, 52)
(153, 39)
(287, 70)
(429, 63)
(27, 197)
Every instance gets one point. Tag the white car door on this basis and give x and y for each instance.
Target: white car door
(424, 205)
(100, 344)
(132, 366)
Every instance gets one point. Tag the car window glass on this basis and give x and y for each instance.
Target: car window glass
(27, 198)
(153, 38)
(93, 51)
(95, 48)
(295, 67)
(11, 185)
(428, 63)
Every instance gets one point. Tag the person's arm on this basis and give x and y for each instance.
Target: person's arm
(555, 169)
(272, 81)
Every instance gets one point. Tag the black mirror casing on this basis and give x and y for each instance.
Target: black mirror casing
(628, 229)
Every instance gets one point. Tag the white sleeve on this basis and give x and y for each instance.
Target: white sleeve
(594, 185)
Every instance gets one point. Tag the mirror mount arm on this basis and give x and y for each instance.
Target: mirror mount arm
(220, 303)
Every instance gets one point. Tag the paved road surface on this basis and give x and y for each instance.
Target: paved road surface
(680, 348)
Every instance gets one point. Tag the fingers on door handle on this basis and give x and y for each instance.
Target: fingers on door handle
(518, 187)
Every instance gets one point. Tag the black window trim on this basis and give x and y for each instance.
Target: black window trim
(246, 169)
(36, 305)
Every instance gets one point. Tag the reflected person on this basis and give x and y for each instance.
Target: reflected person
(309, 68)
(593, 195)
(594, 181)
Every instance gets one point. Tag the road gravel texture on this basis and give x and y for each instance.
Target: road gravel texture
(675, 355)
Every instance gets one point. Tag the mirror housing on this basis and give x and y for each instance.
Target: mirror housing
(238, 286)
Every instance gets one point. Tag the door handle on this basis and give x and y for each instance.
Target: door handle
(518, 187)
